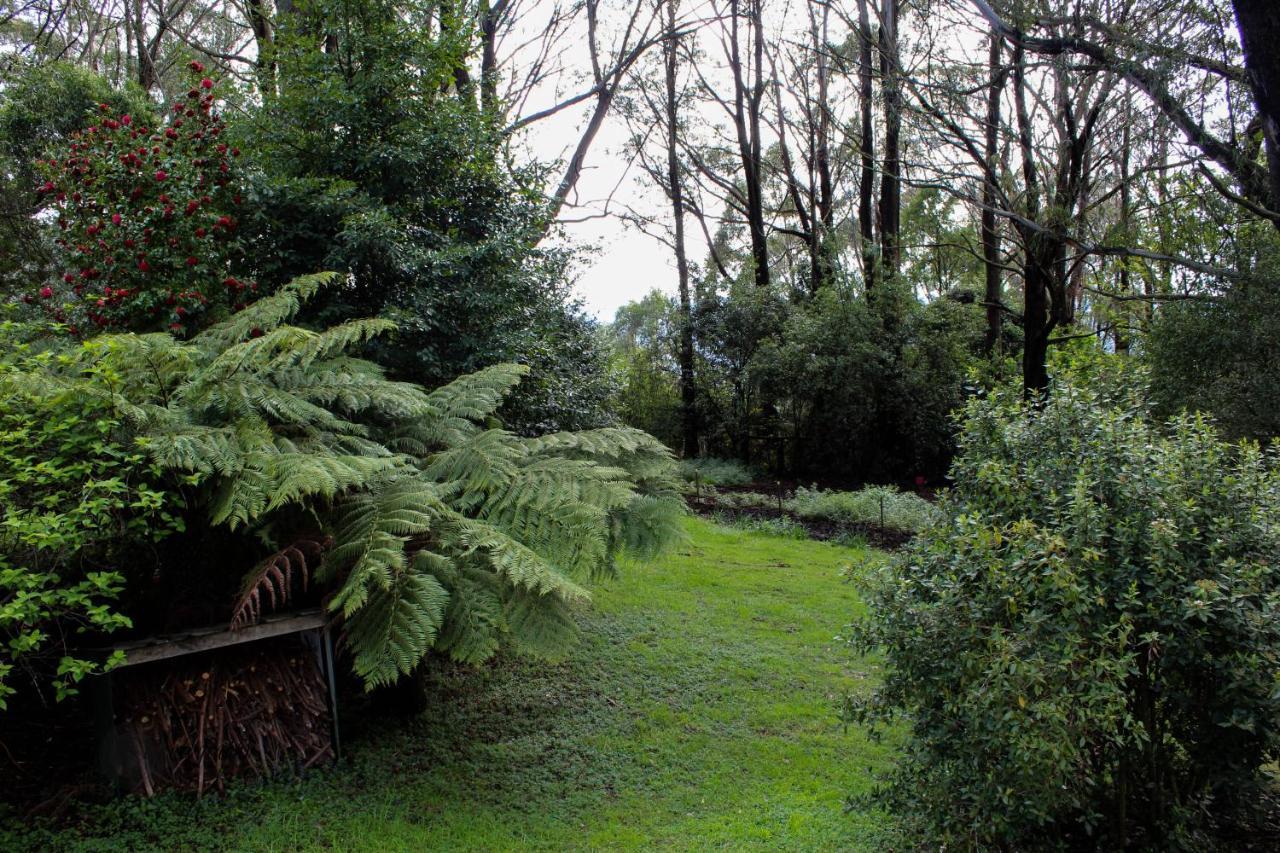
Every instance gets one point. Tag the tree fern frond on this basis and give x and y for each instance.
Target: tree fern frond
(265, 314)
(477, 395)
(540, 625)
(474, 623)
(396, 627)
(274, 579)
(515, 562)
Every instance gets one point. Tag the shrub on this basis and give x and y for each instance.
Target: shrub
(783, 527)
(146, 219)
(1088, 649)
(77, 499)
(873, 505)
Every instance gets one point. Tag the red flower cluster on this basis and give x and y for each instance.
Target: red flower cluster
(130, 262)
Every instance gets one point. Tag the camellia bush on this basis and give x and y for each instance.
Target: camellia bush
(1088, 650)
(147, 220)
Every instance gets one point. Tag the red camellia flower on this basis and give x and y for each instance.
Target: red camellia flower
(68, 278)
(143, 266)
(126, 119)
(200, 232)
(192, 207)
(196, 67)
(191, 261)
(46, 292)
(116, 219)
(161, 174)
(206, 83)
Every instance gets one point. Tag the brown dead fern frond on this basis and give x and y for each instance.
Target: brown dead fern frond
(274, 580)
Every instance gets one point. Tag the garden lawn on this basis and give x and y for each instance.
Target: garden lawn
(698, 712)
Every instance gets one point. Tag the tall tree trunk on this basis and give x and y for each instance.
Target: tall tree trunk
(866, 184)
(688, 391)
(1039, 256)
(491, 12)
(1126, 209)
(1259, 23)
(824, 214)
(746, 120)
(264, 39)
(891, 178)
(990, 226)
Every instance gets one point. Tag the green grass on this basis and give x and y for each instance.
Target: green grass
(698, 713)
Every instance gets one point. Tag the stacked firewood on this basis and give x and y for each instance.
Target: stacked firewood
(253, 711)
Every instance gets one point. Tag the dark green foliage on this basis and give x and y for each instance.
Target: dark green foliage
(1088, 650)
(838, 386)
(1222, 355)
(367, 164)
(882, 374)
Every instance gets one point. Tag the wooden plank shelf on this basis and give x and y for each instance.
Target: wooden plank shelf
(216, 637)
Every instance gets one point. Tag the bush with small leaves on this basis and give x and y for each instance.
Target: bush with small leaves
(1088, 650)
(79, 500)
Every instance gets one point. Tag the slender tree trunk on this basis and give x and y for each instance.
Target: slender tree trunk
(688, 391)
(891, 179)
(824, 214)
(491, 12)
(990, 225)
(746, 120)
(866, 184)
(264, 38)
(1259, 23)
(1126, 208)
(1040, 258)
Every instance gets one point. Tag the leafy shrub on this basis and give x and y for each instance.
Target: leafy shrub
(77, 499)
(716, 472)
(872, 505)
(147, 219)
(445, 534)
(1088, 650)
(783, 527)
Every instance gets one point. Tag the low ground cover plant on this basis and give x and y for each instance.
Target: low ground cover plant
(882, 505)
(1088, 649)
(716, 472)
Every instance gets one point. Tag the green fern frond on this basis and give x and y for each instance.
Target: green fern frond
(396, 627)
(265, 314)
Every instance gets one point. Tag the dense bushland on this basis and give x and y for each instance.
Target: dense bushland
(1087, 651)
(839, 386)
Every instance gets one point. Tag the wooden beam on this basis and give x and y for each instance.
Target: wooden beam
(215, 637)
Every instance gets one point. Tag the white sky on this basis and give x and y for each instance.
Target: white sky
(625, 264)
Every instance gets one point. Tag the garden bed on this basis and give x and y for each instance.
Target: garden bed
(821, 529)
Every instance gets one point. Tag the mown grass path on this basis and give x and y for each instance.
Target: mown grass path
(698, 713)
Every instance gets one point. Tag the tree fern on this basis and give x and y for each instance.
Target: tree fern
(447, 532)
